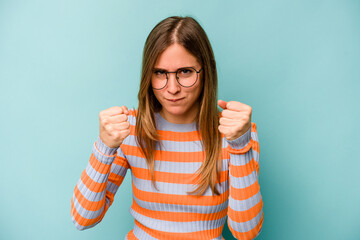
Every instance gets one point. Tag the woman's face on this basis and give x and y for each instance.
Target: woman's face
(185, 109)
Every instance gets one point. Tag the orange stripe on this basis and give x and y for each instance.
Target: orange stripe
(168, 177)
(252, 144)
(205, 234)
(115, 179)
(184, 178)
(173, 136)
(166, 155)
(180, 199)
(250, 234)
(243, 170)
(88, 205)
(132, 130)
(245, 193)
(99, 166)
(257, 167)
(253, 127)
(84, 221)
(91, 184)
(242, 150)
(121, 162)
(99, 187)
(133, 112)
(247, 215)
(179, 136)
(131, 235)
(255, 146)
(178, 216)
(169, 155)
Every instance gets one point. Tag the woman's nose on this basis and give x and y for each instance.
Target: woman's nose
(173, 86)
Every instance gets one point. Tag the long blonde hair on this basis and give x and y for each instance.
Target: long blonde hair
(187, 32)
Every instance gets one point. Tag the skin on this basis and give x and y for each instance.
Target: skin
(183, 111)
(235, 119)
(114, 126)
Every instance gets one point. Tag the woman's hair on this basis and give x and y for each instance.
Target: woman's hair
(187, 32)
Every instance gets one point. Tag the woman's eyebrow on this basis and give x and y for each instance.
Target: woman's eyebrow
(158, 68)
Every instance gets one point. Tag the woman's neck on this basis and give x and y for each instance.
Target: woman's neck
(186, 118)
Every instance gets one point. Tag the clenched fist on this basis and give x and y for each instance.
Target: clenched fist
(235, 119)
(114, 127)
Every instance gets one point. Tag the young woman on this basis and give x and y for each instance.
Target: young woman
(191, 165)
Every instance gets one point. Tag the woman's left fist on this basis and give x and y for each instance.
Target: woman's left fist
(235, 119)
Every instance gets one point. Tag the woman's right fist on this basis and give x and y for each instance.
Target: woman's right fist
(114, 127)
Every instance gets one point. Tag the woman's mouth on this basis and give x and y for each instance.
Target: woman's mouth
(175, 99)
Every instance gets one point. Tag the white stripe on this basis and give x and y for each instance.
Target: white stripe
(84, 212)
(88, 194)
(177, 227)
(243, 205)
(245, 226)
(243, 182)
(172, 167)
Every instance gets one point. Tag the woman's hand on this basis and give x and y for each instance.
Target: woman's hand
(235, 119)
(114, 127)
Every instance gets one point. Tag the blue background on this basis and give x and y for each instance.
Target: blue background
(296, 63)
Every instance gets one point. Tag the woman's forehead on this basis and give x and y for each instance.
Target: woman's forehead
(175, 57)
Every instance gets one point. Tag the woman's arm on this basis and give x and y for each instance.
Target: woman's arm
(95, 190)
(245, 211)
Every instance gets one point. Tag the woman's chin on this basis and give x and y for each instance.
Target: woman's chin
(177, 111)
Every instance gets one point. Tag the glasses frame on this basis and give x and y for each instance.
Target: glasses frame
(177, 78)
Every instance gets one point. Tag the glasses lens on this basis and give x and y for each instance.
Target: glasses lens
(186, 76)
(158, 79)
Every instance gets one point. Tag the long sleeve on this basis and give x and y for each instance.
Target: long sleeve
(97, 186)
(245, 210)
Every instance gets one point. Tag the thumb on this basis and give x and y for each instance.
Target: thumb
(222, 104)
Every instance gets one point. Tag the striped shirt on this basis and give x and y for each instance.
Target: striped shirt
(171, 213)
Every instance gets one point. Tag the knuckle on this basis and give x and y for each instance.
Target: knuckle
(105, 121)
(117, 135)
(109, 128)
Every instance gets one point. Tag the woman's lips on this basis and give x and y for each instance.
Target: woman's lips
(175, 99)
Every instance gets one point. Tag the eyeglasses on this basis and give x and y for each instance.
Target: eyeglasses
(186, 77)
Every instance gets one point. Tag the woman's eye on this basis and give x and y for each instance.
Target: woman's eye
(185, 71)
(159, 72)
